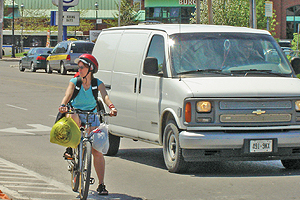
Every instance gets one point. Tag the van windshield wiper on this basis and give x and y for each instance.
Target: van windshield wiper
(216, 71)
(256, 71)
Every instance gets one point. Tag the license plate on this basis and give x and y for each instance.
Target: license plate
(261, 146)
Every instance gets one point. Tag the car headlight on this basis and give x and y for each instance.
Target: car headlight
(297, 105)
(205, 106)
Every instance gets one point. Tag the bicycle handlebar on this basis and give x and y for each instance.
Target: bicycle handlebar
(78, 111)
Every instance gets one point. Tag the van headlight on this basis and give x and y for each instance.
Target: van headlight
(205, 106)
(297, 105)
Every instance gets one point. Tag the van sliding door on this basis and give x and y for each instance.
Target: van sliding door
(126, 71)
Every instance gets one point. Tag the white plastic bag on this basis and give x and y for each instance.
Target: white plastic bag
(100, 138)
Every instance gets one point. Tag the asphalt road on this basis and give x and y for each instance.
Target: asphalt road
(33, 168)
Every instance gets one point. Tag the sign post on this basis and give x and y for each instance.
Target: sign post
(268, 12)
(1, 28)
(63, 5)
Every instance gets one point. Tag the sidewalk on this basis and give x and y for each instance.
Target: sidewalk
(9, 59)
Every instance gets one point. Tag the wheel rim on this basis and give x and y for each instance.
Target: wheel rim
(20, 66)
(62, 71)
(48, 67)
(172, 146)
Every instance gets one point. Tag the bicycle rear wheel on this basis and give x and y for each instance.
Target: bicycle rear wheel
(85, 174)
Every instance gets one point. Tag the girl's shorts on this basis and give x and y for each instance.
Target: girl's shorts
(94, 119)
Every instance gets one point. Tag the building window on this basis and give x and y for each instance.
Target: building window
(292, 20)
(170, 15)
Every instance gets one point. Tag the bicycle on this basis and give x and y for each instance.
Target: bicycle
(80, 163)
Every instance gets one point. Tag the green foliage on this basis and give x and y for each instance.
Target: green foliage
(128, 14)
(37, 20)
(295, 44)
(295, 41)
(236, 13)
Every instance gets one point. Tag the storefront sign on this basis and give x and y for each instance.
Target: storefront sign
(70, 3)
(187, 2)
(70, 18)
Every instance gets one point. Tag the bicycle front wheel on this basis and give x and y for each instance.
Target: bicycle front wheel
(74, 166)
(85, 174)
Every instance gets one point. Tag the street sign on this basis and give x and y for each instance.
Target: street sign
(70, 3)
(70, 18)
(268, 8)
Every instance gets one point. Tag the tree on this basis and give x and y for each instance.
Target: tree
(128, 14)
(236, 13)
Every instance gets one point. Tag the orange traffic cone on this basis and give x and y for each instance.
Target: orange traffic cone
(3, 196)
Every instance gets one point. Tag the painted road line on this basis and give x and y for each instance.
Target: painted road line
(36, 128)
(21, 183)
(16, 107)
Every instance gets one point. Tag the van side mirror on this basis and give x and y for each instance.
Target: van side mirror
(25, 54)
(151, 66)
(295, 62)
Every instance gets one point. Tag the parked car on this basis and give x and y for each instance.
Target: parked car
(34, 59)
(289, 51)
(64, 53)
(203, 92)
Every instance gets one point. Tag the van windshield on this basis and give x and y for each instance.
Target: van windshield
(219, 54)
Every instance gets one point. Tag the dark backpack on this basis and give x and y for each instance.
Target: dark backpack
(75, 93)
(78, 86)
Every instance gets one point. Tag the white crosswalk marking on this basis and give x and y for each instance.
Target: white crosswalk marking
(23, 184)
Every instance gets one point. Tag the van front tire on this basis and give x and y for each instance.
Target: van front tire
(173, 158)
(114, 143)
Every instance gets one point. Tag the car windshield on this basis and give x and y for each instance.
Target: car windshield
(223, 54)
(83, 47)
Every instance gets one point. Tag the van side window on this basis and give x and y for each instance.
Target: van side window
(157, 50)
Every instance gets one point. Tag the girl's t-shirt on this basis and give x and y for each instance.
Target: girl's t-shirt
(85, 99)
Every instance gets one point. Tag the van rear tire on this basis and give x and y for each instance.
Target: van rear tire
(114, 143)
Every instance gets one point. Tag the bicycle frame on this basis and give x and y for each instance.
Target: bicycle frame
(80, 166)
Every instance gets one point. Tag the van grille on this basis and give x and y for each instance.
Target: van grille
(255, 118)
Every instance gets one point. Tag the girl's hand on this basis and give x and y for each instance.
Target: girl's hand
(113, 110)
(63, 108)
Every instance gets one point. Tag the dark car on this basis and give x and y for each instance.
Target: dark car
(289, 51)
(64, 53)
(34, 59)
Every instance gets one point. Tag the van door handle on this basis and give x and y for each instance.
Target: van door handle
(140, 85)
(135, 82)
(108, 87)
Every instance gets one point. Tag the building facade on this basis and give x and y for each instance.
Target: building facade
(165, 11)
(288, 17)
(179, 11)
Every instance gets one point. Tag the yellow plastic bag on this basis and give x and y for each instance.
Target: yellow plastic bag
(66, 133)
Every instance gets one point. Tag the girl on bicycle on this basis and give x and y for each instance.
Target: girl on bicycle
(85, 100)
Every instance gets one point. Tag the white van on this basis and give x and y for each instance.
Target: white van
(203, 92)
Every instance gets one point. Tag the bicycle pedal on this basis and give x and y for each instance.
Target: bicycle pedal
(92, 180)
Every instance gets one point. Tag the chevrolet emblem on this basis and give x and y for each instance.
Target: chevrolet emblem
(259, 112)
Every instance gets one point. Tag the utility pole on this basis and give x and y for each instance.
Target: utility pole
(60, 21)
(119, 19)
(13, 55)
(210, 12)
(1, 28)
(252, 14)
(198, 12)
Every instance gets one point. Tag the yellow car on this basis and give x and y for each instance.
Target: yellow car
(62, 57)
